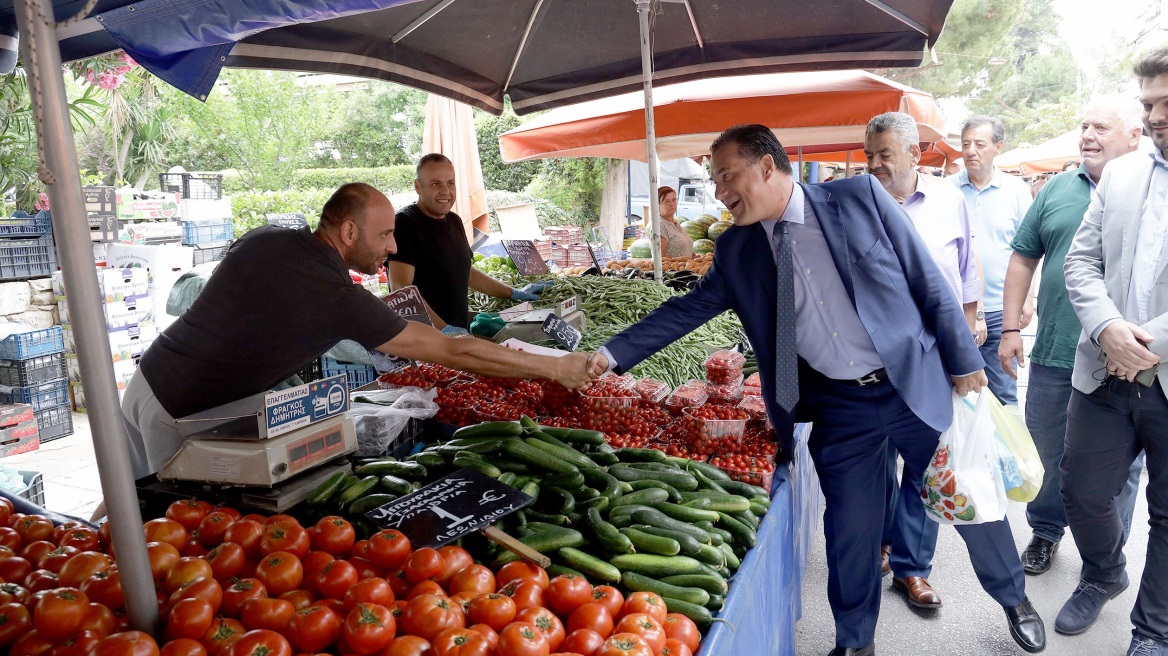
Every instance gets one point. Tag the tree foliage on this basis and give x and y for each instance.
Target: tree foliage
(496, 174)
(574, 184)
(378, 126)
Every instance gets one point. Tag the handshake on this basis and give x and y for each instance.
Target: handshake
(578, 370)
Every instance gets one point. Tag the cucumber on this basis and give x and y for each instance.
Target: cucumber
(593, 568)
(358, 489)
(749, 518)
(395, 485)
(489, 429)
(711, 556)
(699, 614)
(653, 544)
(701, 503)
(556, 569)
(427, 458)
(716, 603)
(625, 511)
(545, 526)
(544, 437)
(410, 471)
(732, 560)
(369, 502)
(607, 536)
(762, 500)
(728, 503)
(654, 517)
(710, 571)
(608, 486)
(758, 509)
(714, 585)
(549, 518)
(654, 565)
(535, 458)
(653, 466)
(705, 482)
(508, 465)
(743, 489)
(629, 454)
(545, 542)
(686, 543)
(599, 503)
(637, 583)
(674, 495)
(603, 458)
(678, 479)
(567, 454)
(531, 489)
(573, 480)
(706, 468)
(622, 521)
(687, 514)
(574, 435)
(722, 534)
(705, 526)
(527, 424)
(743, 534)
(647, 497)
(328, 489)
(625, 488)
(554, 500)
(509, 478)
(469, 441)
(585, 494)
(478, 464)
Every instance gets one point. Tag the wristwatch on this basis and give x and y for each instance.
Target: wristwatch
(980, 316)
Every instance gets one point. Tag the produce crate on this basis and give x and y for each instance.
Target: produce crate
(207, 232)
(22, 346)
(22, 373)
(27, 258)
(311, 371)
(564, 234)
(54, 423)
(191, 185)
(45, 395)
(212, 254)
(36, 487)
(359, 374)
(21, 224)
(578, 255)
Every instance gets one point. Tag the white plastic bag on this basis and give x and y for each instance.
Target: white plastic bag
(380, 422)
(963, 484)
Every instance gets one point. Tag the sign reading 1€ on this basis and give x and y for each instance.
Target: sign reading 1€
(294, 408)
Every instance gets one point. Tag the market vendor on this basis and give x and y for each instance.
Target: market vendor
(279, 299)
(433, 253)
(675, 242)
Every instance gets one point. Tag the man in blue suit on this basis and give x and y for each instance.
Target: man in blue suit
(880, 341)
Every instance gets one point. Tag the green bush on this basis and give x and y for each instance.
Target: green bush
(546, 212)
(249, 207)
(390, 179)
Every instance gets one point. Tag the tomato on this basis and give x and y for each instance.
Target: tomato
(494, 610)
(334, 535)
(31, 644)
(365, 568)
(625, 644)
(360, 549)
(105, 587)
(33, 528)
(426, 587)
(522, 639)
(188, 512)
(10, 592)
(676, 648)
(222, 633)
(186, 570)
(163, 558)
(461, 642)
(645, 602)
(247, 534)
(299, 598)
(239, 593)
(99, 619)
(335, 578)
(40, 580)
(462, 599)
(260, 642)
(82, 566)
(455, 558)
(193, 548)
(408, 645)
(568, 592)
(313, 628)
(526, 594)
(205, 588)
(189, 618)
(166, 530)
(388, 549)
(428, 615)
(34, 551)
(368, 628)
(81, 538)
(53, 560)
(128, 643)
(15, 621)
(521, 569)
(59, 613)
(645, 626)
(591, 616)
(472, 578)
(680, 627)
(583, 641)
(6, 510)
(313, 563)
(289, 537)
(610, 598)
(335, 605)
(491, 635)
(14, 568)
(270, 614)
(183, 647)
(547, 622)
(9, 537)
(398, 583)
(280, 572)
(227, 561)
(423, 564)
(369, 591)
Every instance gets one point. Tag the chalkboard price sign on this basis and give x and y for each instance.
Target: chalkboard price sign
(562, 332)
(288, 220)
(526, 258)
(408, 303)
(449, 508)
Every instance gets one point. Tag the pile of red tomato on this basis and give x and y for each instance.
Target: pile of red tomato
(234, 585)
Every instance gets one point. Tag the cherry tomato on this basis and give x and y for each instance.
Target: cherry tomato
(494, 610)
(368, 628)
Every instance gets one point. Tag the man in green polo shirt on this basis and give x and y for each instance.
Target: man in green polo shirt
(1111, 127)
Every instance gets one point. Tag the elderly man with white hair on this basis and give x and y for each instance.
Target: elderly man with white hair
(1110, 128)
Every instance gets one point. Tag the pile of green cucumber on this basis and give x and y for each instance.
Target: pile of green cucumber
(635, 518)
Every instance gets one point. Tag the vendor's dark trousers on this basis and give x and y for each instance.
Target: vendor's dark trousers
(852, 426)
(1105, 431)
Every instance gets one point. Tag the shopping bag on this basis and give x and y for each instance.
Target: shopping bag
(1015, 438)
(963, 484)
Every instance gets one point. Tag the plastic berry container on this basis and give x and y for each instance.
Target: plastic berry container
(729, 392)
(724, 366)
(687, 395)
(652, 390)
(405, 377)
(613, 382)
(747, 469)
(753, 406)
(713, 429)
(437, 373)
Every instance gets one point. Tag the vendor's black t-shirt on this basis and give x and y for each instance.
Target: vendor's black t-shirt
(441, 257)
(280, 298)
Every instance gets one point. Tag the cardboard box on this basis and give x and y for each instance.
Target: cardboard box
(16, 413)
(124, 344)
(158, 260)
(115, 284)
(136, 206)
(196, 209)
(146, 232)
(123, 371)
(21, 438)
(119, 315)
(100, 200)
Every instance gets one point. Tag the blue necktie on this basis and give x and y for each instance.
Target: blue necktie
(786, 357)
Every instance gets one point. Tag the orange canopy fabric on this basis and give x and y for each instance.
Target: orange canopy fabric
(450, 130)
(817, 109)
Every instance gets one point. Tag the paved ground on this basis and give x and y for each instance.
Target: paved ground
(69, 470)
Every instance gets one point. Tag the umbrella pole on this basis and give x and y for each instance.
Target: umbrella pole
(848, 164)
(800, 177)
(59, 171)
(650, 136)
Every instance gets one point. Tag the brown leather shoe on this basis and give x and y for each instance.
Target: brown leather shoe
(885, 554)
(917, 591)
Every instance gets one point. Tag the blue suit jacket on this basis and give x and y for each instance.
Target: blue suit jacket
(902, 298)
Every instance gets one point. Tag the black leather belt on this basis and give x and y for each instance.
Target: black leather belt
(878, 376)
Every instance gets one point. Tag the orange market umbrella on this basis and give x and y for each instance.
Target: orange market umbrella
(450, 130)
(824, 110)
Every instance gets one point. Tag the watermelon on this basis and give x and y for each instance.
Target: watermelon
(640, 248)
(694, 229)
(717, 229)
(703, 246)
(707, 219)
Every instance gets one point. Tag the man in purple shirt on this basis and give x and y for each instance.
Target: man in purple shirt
(937, 210)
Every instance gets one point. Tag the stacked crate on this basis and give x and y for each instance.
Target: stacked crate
(148, 217)
(32, 371)
(26, 246)
(206, 224)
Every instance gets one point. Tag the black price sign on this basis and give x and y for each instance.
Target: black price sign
(449, 508)
(526, 258)
(563, 332)
(408, 302)
(288, 220)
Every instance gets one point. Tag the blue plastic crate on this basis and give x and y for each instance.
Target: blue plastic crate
(20, 224)
(45, 395)
(359, 374)
(27, 258)
(22, 346)
(196, 232)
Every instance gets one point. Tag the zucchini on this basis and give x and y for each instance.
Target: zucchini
(743, 534)
(571, 481)
(629, 454)
(328, 489)
(699, 614)
(647, 497)
(654, 565)
(545, 542)
(714, 585)
(674, 495)
(654, 517)
(567, 454)
(607, 536)
(554, 500)
(678, 479)
(637, 583)
(574, 435)
(594, 569)
(686, 543)
(369, 502)
(478, 464)
(653, 544)
(358, 489)
(395, 485)
(410, 471)
(489, 429)
(535, 458)
(706, 468)
(687, 514)
(711, 556)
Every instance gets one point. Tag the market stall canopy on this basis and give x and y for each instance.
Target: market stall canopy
(542, 53)
(824, 112)
(450, 130)
(936, 154)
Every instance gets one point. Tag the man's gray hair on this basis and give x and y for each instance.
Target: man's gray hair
(974, 122)
(1125, 107)
(904, 125)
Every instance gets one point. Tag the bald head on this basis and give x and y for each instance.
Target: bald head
(358, 221)
(347, 204)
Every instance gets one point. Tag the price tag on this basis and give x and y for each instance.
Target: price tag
(526, 258)
(408, 302)
(288, 220)
(450, 507)
(562, 332)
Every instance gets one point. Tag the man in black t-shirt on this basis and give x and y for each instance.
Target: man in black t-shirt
(433, 253)
(279, 299)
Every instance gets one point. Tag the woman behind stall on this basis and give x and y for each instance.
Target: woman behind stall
(674, 241)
